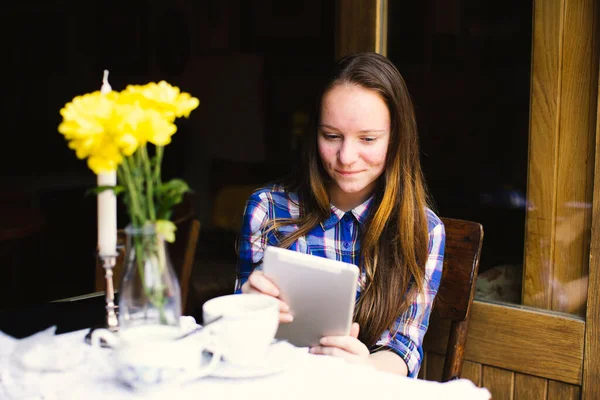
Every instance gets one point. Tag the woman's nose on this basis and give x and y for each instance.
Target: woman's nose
(347, 153)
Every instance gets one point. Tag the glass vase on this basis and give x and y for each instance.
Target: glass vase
(150, 292)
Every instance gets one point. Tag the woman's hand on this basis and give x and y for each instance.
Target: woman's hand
(258, 283)
(347, 347)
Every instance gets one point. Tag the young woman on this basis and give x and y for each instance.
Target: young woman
(359, 197)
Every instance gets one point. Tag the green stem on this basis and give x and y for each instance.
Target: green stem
(137, 215)
(145, 161)
(149, 245)
(137, 174)
(157, 167)
(162, 265)
(157, 296)
(139, 179)
(135, 211)
(162, 258)
(139, 259)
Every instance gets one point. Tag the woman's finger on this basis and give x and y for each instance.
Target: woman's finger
(285, 317)
(261, 284)
(258, 283)
(346, 343)
(283, 307)
(329, 351)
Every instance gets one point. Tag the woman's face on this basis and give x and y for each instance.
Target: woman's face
(353, 139)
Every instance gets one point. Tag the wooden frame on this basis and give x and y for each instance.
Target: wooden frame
(591, 361)
(361, 25)
(501, 335)
(561, 153)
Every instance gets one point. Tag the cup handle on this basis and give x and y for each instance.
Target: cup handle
(103, 334)
(215, 359)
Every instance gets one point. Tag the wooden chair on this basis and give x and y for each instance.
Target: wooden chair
(182, 253)
(457, 288)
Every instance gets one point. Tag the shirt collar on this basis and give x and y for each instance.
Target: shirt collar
(360, 212)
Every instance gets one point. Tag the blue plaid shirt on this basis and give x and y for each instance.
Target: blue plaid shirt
(337, 238)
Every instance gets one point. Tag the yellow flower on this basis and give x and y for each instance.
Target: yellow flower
(86, 115)
(89, 127)
(104, 128)
(106, 157)
(138, 125)
(156, 129)
(162, 97)
(127, 121)
(186, 104)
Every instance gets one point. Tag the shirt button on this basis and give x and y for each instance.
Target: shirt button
(346, 244)
(347, 218)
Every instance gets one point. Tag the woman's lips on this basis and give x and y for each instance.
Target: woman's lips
(347, 173)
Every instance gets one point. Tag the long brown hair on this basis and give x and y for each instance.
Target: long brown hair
(394, 238)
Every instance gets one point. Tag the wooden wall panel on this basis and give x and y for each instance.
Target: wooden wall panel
(506, 384)
(501, 336)
(575, 159)
(433, 366)
(543, 142)
(500, 382)
(591, 361)
(563, 391)
(529, 387)
(472, 371)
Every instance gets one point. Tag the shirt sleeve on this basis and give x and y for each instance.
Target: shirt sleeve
(251, 242)
(410, 328)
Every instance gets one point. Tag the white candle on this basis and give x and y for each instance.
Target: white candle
(107, 202)
(107, 215)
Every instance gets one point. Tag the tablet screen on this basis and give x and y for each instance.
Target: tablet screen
(320, 292)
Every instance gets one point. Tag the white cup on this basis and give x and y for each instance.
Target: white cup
(151, 355)
(246, 327)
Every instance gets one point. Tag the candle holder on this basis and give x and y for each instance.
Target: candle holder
(108, 263)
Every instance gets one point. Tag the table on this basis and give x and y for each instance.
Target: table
(67, 315)
(307, 377)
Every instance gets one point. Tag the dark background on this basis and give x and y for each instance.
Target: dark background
(467, 65)
(253, 64)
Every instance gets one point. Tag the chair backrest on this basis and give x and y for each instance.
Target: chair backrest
(182, 253)
(457, 288)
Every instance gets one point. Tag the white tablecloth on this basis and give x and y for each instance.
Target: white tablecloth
(307, 377)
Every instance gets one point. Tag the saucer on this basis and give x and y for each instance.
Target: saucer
(278, 358)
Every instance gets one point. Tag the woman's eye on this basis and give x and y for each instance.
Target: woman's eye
(369, 139)
(330, 136)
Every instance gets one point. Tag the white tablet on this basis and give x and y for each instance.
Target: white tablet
(320, 293)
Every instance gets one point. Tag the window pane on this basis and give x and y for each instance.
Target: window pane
(468, 66)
